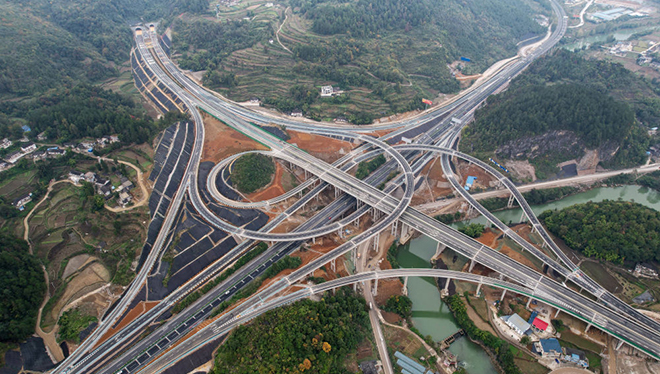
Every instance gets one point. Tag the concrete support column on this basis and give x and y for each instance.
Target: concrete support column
(510, 203)
(588, 327)
(447, 284)
(472, 262)
(503, 294)
(313, 240)
(333, 265)
(529, 301)
(478, 289)
(619, 344)
(522, 216)
(556, 314)
(306, 174)
(376, 287)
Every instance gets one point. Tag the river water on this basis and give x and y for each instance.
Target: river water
(432, 317)
(641, 195)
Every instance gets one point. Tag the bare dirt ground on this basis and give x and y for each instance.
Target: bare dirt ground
(521, 170)
(483, 179)
(92, 277)
(325, 148)
(74, 264)
(436, 178)
(221, 141)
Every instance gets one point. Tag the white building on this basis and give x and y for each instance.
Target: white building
(76, 176)
(516, 322)
(326, 91)
(13, 157)
(30, 147)
(6, 143)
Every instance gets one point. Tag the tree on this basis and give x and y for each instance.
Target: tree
(23, 288)
(525, 340)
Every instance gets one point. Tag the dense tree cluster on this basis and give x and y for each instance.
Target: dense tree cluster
(82, 111)
(401, 305)
(598, 101)
(300, 97)
(23, 289)
(537, 109)
(617, 231)
(48, 43)
(214, 40)
(310, 337)
(367, 167)
(612, 78)
(252, 171)
(498, 346)
(473, 230)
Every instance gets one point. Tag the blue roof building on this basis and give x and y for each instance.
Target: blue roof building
(26, 128)
(548, 347)
(469, 182)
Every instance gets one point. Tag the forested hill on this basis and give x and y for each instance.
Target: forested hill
(597, 102)
(50, 43)
(385, 55)
(617, 231)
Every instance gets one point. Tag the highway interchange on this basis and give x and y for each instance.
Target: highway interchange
(124, 353)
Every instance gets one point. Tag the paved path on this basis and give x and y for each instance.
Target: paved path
(584, 10)
(581, 179)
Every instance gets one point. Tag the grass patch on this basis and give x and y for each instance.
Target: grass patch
(580, 342)
(598, 273)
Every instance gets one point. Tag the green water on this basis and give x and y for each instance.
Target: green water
(430, 315)
(641, 195)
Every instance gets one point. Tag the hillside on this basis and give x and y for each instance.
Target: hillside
(50, 43)
(616, 231)
(565, 107)
(385, 56)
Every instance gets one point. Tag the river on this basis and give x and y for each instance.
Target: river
(432, 317)
(641, 195)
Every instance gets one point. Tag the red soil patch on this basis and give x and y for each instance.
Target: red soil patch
(483, 178)
(436, 177)
(387, 288)
(325, 148)
(221, 141)
(139, 309)
(273, 190)
(488, 238)
(390, 317)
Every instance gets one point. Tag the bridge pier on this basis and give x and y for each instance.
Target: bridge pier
(522, 216)
(478, 289)
(405, 286)
(341, 233)
(333, 265)
(394, 227)
(376, 287)
(472, 262)
(336, 192)
(510, 203)
(447, 284)
(619, 344)
(306, 174)
(529, 301)
(556, 314)
(314, 240)
(588, 327)
(469, 210)
(376, 242)
(503, 294)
